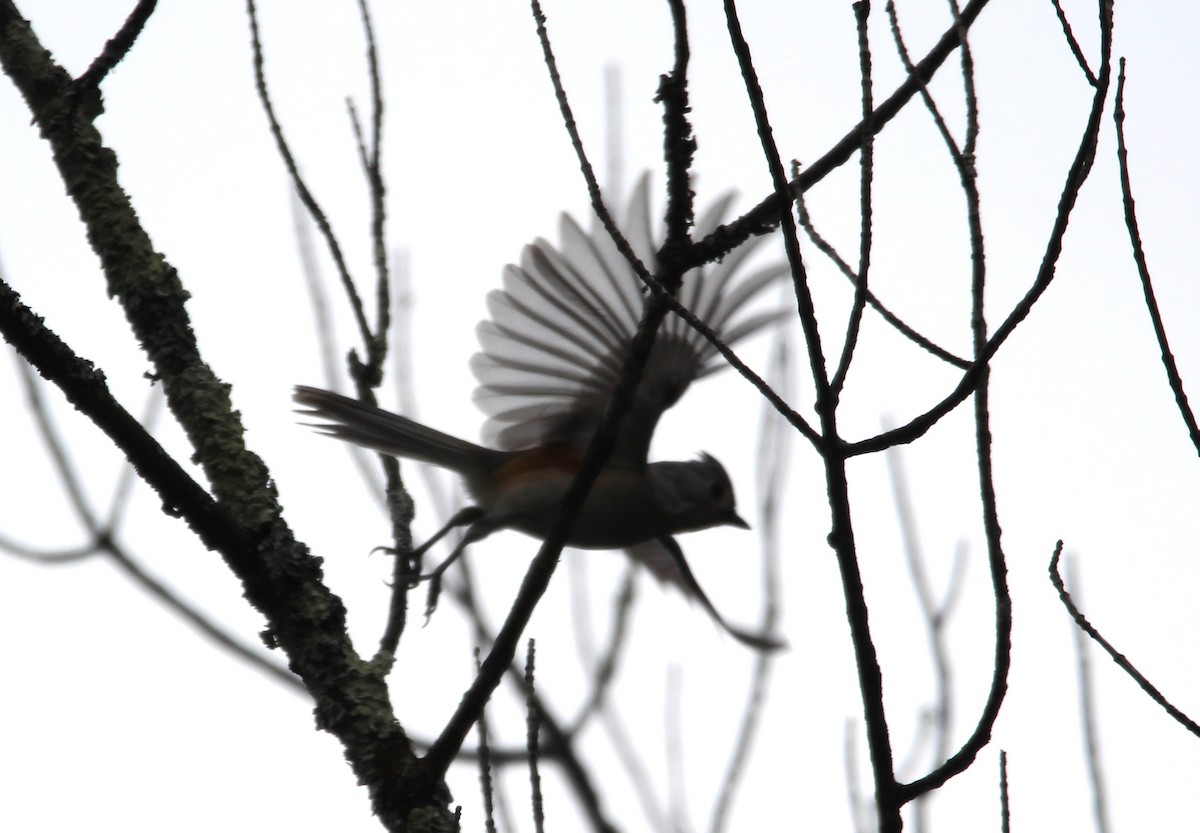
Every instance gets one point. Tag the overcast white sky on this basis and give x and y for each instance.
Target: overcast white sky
(119, 715)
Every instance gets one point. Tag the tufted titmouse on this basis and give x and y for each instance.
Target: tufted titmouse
(551, 354)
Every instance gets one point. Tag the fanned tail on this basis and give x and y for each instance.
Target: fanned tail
(380, 430)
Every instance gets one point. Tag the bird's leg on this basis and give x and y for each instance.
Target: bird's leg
(466, 515)
(760, 642)
(482, 525)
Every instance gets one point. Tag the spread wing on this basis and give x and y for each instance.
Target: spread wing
(561, 327)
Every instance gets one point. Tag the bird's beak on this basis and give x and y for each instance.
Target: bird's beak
(735, 519)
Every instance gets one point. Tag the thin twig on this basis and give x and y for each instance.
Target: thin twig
(1073, 43)
(118, 46)
(1004, 815)
(673, 749)
(314, 286)
(558, 744)
(585, 166)
(1087, 716)
(997, 567)
(103, 540)
(934, 614)
(401, 511)
(862, 11)
(532, 713)
(200, 621)
(827, 249)
(306, 196)
(660, 293)
(971, 99)
(47, 558)
(374, 173)
(930, 105)
(486, 786)
(772, 461)
(768, 213)
(1077, 175)
(614, 132)
(806, 309)
(579, 587)
(628, 754)
(1122, 662)
(1139, 257)
(841, 536)
(604, 671)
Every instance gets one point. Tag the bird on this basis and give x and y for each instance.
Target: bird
(552, 351)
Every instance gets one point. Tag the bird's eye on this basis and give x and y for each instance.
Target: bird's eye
(716, 489)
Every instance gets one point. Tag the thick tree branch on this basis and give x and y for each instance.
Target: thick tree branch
(244, 522)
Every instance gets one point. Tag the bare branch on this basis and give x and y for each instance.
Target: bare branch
(373, 168)
(486, 787)
(604, 670)
(1087, 714)
(772, 467)
(306, 196)
(827, 249)
(841, 536)
(862, 11)
(768, 213)
(1081, 167)
(1139, 257)
(1004, 816)
(558, 744)
(661, 294)
(118, 46)
(1073, 43)
(1122, 662)
(532, 713)
(673, 749)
